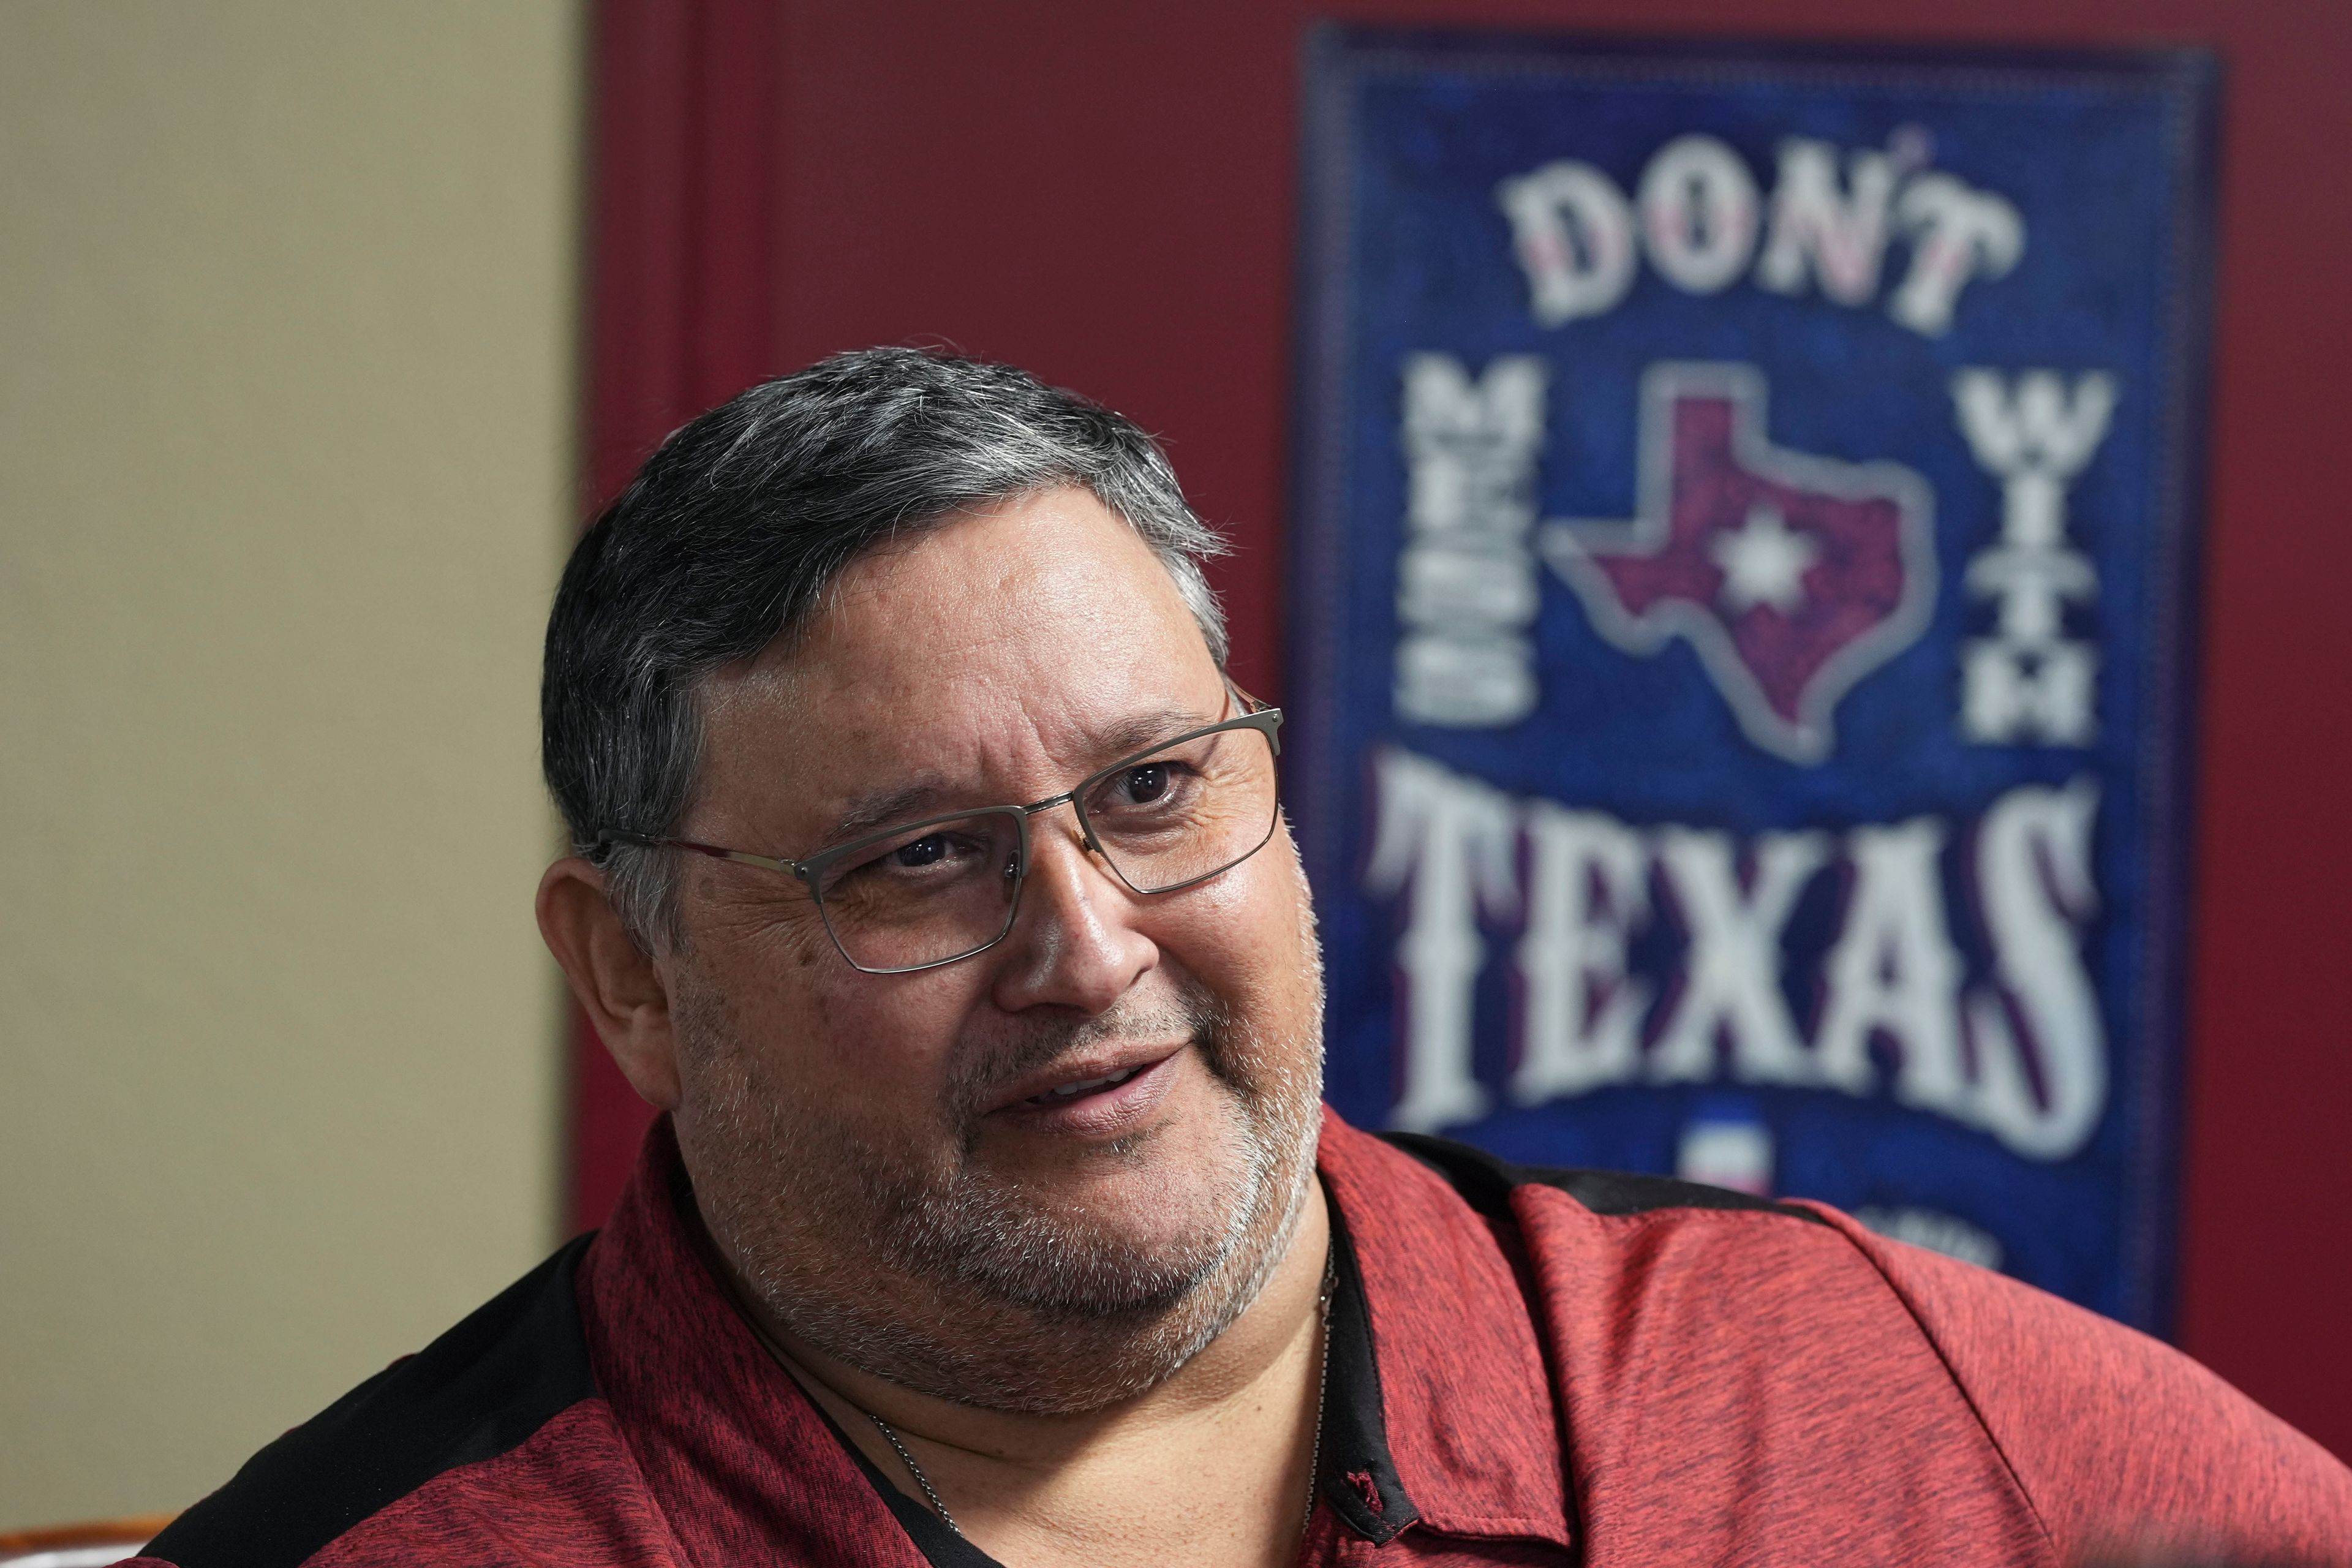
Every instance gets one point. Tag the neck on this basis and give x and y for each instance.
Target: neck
(1209, 1466)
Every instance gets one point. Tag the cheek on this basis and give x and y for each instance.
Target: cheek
(864, 1051)
(1244, 935)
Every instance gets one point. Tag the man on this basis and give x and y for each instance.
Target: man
(929, 876)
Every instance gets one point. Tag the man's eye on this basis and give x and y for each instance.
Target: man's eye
(1141, 786)
(1150, 789)
(927, 850)
(931, 855)
(949, 847)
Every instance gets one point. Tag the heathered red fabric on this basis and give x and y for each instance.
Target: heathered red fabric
(1677, 1385)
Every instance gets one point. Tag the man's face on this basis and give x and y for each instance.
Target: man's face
(884, 1157)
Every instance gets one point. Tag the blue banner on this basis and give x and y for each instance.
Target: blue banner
(1741, 576)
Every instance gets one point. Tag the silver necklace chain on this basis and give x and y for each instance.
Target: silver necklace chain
(916, 1470)
(1313, 1457)
(1322, 1377)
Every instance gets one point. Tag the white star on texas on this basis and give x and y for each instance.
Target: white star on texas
(1763, 562)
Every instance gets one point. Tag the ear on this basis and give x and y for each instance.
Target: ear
(620, 987)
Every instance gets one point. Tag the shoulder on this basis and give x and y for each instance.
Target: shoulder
(1486, 1184)
(415, 1447)
(1711, 1334)
(1611, 1237)
(1640, 1281)
(2114, 1433)
(1615, 1233)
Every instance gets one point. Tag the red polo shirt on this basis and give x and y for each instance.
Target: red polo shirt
(1525, 1368)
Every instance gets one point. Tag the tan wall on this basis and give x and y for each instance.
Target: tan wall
(287, 305)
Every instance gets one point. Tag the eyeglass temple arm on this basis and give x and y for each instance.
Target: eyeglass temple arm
(1252, 708)
(611, 836)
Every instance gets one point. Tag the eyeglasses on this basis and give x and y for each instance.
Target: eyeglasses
(930, 892)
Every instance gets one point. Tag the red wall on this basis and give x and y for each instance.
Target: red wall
(1103, 193)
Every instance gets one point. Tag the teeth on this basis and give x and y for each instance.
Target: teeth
(1084, 1086)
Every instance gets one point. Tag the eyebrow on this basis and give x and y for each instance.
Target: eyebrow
(1138, 731)
(880, 808)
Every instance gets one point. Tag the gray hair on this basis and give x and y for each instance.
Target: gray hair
(731, 533)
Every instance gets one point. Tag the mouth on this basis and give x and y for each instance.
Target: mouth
(1062, 1094)
(1104, 1097)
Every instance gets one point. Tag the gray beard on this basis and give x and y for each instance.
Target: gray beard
(948, 1280)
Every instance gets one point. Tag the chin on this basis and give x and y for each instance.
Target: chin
(1119, 1228)
(1095, 1317)
(990, 1279)
(1030, 1295)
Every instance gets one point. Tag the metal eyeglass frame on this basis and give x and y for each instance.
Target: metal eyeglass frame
(1266, 720)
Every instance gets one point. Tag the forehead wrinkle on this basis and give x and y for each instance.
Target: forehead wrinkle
(928, 791)
(978, 686)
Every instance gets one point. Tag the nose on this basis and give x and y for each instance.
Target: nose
(1076, 943)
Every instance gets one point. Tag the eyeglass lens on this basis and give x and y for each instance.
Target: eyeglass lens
(941, 890)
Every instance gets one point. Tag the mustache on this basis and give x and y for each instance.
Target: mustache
(980, 1074)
